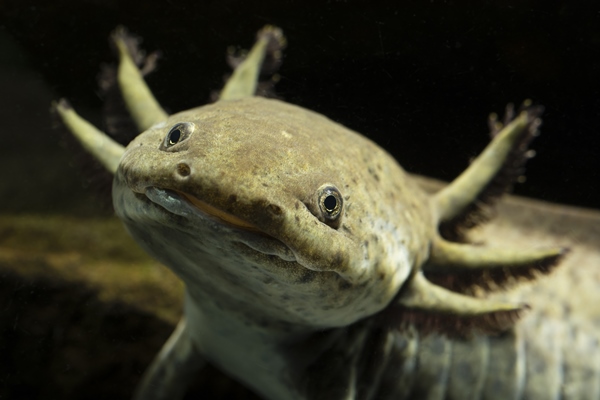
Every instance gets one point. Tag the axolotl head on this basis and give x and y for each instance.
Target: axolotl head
(263, 205)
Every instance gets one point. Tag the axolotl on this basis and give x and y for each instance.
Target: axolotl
(315, 267)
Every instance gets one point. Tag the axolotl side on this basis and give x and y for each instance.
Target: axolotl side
(316, 268)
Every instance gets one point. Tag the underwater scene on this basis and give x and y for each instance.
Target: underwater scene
(375, 201)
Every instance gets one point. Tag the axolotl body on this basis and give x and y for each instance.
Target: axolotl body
(315, 267)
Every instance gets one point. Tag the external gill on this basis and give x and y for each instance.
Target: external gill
(432, 308)
(140, 101)
(460, 267)
(244, 80)
(466, 268)
(99, 144)
(505, 155)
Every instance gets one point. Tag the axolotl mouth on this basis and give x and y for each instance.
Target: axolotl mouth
(199, 212)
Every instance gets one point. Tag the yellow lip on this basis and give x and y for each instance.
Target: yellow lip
(215, 212)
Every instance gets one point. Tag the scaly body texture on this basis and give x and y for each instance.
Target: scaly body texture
(316, 268)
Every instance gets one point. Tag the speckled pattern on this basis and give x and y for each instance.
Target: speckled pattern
(249, 157)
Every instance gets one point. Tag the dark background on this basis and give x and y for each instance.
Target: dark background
(420, 78)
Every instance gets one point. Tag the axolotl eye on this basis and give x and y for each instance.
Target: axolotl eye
(178, 133)
(331, 204)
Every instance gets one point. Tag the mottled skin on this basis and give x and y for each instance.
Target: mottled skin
(553, 352)
(248, 156)
(302, 245)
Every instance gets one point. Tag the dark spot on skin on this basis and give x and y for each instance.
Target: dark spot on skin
(297, 205)
(344, 285)
(274, 209)
(297, 218)
(373, 174)
(366, 244)
(232, 199)
(307, 277)
(132, 181)
(183, 169)
(381, 276)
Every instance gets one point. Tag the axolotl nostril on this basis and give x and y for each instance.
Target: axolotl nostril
(313, 263)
